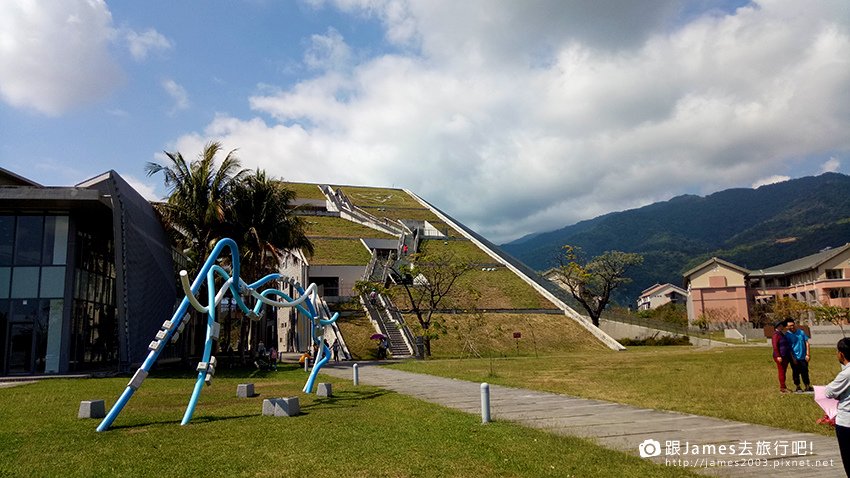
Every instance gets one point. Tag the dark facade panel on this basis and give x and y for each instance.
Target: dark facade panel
(146, 280)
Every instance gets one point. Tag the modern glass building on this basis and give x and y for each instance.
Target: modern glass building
(86, 276)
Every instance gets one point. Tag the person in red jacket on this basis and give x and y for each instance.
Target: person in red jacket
(781, 353)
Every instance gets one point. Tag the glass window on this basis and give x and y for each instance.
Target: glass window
(28, 240)
(5, 283)
(24, 282)
(4, 315)
(20, 348)
(7, 239)
(55, 249)
(834, 273)
(24, 310)
(52, 282)
(49, 345)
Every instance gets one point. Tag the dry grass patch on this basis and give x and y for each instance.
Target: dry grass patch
(356, 332)
(492, 334)
(499, 289)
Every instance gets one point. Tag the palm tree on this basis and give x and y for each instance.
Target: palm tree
(206, 203)
(262, 222)
(199, 196)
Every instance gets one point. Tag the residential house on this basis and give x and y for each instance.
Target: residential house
(724, 292)
(661, 294)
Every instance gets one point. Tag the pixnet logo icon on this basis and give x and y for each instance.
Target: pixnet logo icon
(649, 448)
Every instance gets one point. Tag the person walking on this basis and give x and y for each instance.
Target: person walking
(799, 342)
(781, 353)
(335, 347)
(839, 389)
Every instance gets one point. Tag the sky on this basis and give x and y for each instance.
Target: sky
(512, 116)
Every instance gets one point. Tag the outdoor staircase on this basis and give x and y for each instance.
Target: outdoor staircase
(386, 325)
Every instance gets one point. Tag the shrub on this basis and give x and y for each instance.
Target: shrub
(652, 341)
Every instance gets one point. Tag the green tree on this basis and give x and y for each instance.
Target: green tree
(591, 282)
(832, 314)
(199, 195)
(787, 308)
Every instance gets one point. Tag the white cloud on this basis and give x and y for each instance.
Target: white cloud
(145, 188)
(141, 44)
(178, 94)
(327, 52)
(831, 165)
(582, 118)
(54, 55)
(770, 180)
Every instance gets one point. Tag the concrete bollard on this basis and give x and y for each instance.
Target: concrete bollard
(245, 390)
(356, 373)
(324, 390)
(92, 409)
(485, 403)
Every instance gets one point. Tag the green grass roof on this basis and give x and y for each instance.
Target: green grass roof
(339, 252)
(326, 226)
(306, 190)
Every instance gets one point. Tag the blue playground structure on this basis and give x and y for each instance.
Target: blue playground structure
(171, 329)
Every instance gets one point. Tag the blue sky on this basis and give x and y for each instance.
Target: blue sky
(515, 117)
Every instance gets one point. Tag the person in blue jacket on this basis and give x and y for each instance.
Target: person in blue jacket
(800, 355)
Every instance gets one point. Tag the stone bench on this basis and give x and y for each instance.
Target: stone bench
(92, 409)
(281, 407)
(245, 390)
(324, 390)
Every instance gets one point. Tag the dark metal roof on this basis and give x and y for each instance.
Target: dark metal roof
(51, 198)
(8, 178)
(802, 264)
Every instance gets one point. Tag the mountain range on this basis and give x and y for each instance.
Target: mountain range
(754, 228)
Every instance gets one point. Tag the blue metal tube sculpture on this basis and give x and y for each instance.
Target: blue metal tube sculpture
(171, 329)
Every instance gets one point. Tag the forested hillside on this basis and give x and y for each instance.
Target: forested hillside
(754, 228)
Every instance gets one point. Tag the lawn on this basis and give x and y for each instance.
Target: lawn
(737, 383)
(415, 214)
(361, 432)
(462, 250)
(380, 197)
(339, 252)
(498, 289)
(306, 191)
(326, 226)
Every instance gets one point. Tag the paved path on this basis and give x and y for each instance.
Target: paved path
(623, 427)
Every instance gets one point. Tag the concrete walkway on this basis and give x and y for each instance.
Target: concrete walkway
(624, 427)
